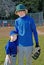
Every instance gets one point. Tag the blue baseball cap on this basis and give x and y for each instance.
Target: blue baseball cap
(20, 7)
(12, 32)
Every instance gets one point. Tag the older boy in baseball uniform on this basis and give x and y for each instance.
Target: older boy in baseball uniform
(26, 28)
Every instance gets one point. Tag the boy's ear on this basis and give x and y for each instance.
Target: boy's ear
(26, 11)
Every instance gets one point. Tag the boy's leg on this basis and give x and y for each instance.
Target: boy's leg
(28, 54)
(13, 60)
(21, 56)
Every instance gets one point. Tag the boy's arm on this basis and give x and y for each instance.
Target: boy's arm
(7, 49)
(9, 58)
(17, 49)
(33, 26)
(16, 26)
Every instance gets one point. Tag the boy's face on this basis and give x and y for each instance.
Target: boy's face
(13, 37)
(21, 13)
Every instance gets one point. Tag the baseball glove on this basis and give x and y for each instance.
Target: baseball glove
(36, 53)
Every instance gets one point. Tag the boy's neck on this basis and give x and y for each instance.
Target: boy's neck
(11, 40)
(23, 15)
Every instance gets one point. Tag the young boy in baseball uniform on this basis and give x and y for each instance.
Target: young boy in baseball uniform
(11, 49)
(25, 27)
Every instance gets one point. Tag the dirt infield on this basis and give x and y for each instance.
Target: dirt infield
(40, 30)
(4, 31)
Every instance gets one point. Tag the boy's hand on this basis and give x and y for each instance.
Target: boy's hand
(37, 45)
(10, 62)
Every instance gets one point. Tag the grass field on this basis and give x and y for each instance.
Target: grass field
(39, 61)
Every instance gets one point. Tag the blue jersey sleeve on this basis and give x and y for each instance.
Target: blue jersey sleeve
(7, 48)
(16, 26)
(33, 26)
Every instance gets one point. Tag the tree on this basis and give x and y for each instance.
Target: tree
(32, 5)
(40, 7)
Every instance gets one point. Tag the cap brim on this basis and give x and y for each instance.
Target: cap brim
(22, 10)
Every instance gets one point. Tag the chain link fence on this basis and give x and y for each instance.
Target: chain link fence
(38, 17)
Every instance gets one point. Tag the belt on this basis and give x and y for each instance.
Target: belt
(13, 55)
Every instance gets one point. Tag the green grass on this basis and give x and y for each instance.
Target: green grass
(39, 61)
(3, 41)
